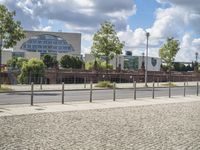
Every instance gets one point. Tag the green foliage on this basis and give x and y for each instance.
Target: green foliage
(5, 89)
(182, 67)
(98, 65)
(12, 63)
(104, 84)
(168, 52)
(16, 62)
(11, 30)
(106, 43)
(32, 68)
(49, 61)
(20, 62)
(71, 62)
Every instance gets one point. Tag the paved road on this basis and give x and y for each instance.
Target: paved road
(24, 97)
(155, 127)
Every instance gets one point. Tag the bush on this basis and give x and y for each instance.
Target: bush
(34, 68)
(99, 65)
(104, 84)
(5, 88)
(71, 62)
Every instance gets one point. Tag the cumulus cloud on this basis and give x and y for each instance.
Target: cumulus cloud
(42, 28)
(169, 22)
(191, 11)
(189, 46)
(84, 14)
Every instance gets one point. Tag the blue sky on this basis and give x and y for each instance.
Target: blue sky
(162, 18)
(144, 17)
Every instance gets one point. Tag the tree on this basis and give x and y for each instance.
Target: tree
(32, 71)
(20, 62)
(16, 62)
(65, 61)
(71, 62)
(106, 43)
(168, 52)
(10, 30)
(12, 63)
(49, 61)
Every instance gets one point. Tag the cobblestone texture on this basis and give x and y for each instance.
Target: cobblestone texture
(156, 127)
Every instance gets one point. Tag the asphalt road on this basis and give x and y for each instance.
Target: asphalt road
(83, 95)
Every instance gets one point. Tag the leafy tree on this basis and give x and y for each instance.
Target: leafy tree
(50, 61)
(12, 63)
(33, 69)
(65, 61)
(71, 62)
(16, 62)
(106, 43)
(168, 52)
(10, 30)
(20, 62)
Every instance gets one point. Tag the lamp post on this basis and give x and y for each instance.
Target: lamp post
(196, 54)
(146, 60)
(1, 45)
(196, 63)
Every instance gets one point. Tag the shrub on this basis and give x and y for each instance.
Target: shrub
(104, 84)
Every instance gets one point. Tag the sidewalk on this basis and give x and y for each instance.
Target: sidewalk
(87, 86)
(11, 110)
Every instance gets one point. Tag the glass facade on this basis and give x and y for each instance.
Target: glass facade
(47, 44)
(17, 54)
(131, 62)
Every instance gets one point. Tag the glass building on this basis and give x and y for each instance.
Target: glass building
(47, 43)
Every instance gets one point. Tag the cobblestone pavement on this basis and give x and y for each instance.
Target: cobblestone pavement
(167, 126)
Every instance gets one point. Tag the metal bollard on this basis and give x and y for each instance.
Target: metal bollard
(114, 91)
(157, 82)
(90, 91)
(197, 88)
(32, 88)
(153, 90)
(84, 82)
(184, 89)
(41, 83)
(134, 90)
(170, 89)
(63, 92)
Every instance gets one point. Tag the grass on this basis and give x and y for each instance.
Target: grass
(171, 84)
(104, 84)
(5, 88)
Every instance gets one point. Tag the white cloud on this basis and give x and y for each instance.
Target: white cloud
(169, 22)
(42, 28)
(189, 46)
(79, 13)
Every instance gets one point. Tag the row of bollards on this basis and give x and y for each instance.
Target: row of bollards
(114, 91)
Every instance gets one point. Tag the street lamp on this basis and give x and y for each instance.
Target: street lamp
(146, 64)
(1, 45)
(196, 63)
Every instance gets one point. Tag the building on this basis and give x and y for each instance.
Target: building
(136, 62)
(37, 43)
(129, 62)
(116, 61)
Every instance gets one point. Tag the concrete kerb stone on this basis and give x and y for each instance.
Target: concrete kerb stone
(54, 87)
(10, 110)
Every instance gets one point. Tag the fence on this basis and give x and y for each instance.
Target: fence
(92, 94)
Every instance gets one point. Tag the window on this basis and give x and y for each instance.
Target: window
(43, 43)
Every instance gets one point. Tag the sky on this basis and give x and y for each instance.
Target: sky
(132, 18)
